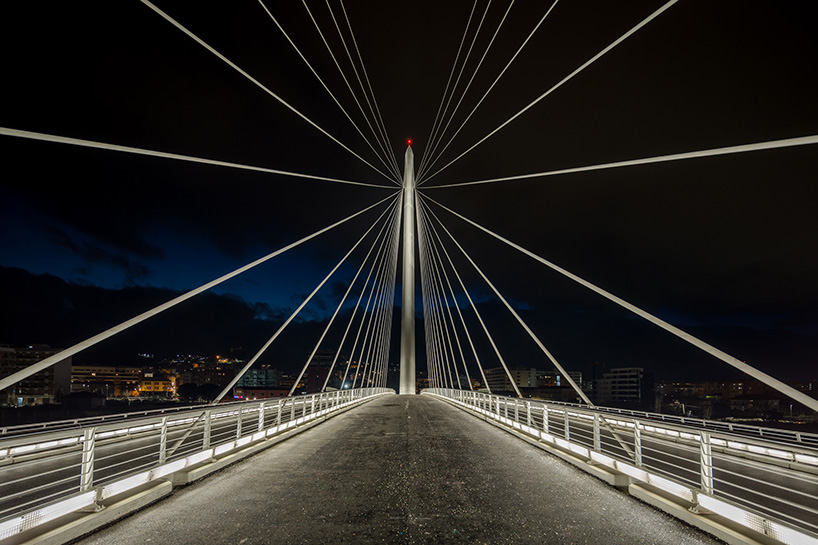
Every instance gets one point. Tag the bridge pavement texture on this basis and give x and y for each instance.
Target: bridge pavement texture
(400, 469)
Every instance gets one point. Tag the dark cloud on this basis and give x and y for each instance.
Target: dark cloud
(46, 309)
(265, 311)
(338, 289)
(96, 254)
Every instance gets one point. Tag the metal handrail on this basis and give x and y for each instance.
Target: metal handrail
(53, 473)
(77, 423)
(808, 438)
(771, 484)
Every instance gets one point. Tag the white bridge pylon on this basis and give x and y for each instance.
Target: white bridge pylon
(407, 337)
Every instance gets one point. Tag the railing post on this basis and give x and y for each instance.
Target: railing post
(163, 441)
(706, 463)
(312, 406)
(238, 423)
(517, 410)
(505, 407)
(597, 438)
(545, 426)
(637, 443)
(292, 409)
(206, 434)
(87, 468)
(528, 413)
(280, 408)
(566, 425)
(261, 416)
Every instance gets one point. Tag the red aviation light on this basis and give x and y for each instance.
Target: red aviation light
(409, 141)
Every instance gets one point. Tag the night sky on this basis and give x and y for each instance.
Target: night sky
(722, 247)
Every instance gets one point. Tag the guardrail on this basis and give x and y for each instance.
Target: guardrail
(53, 473)
(737, 428)
(767, 486)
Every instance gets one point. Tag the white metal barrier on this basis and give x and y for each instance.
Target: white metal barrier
(77, 465)
(769, 486)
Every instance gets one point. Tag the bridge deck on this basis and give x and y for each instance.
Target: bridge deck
(400, 469)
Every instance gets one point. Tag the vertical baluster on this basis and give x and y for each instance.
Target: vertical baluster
(261, 416)
(163, 441)
(597, 438)
(207, 428)
(566, 425)
(528, 413)
(238, 423)
(545, 423)
(87, 467)
(706, 463)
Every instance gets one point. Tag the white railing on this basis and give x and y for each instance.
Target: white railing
(78, 465)
(780, 435)
(768, 486)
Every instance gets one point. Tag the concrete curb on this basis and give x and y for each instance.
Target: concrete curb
(707, 523)
(81, 524)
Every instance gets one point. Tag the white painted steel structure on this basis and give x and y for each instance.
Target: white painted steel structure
(407, 338)
(769, 487)
(81, 465)
(764, 480)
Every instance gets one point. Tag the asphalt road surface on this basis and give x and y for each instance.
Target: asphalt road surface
(400, 469)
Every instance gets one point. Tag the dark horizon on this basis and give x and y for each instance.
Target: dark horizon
(247, 326)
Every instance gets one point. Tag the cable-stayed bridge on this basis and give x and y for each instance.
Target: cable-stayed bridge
(429, 472)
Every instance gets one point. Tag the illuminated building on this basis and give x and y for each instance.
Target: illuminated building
(41, 388)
